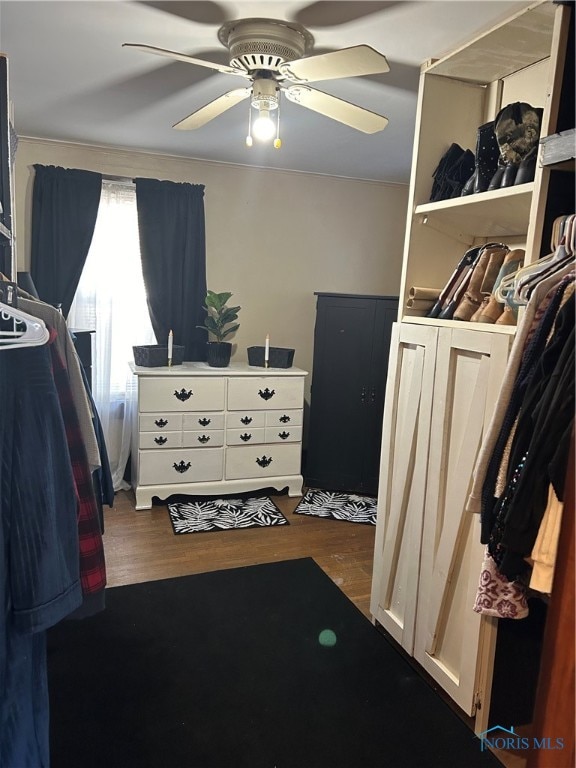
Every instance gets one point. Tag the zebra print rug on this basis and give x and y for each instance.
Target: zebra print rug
(201, 515)
(338, 506)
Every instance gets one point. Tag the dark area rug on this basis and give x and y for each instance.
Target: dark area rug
(200, 514)
(268, 666)
(338, 506)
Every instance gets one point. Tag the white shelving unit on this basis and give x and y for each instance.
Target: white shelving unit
(445, 376)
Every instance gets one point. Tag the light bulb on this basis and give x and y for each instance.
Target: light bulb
(248, 140)
(277, 143)
(263, 127)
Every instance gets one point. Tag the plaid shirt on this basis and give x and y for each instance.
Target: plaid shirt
(92, 564)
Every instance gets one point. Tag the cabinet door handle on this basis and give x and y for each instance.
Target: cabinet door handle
(267, 393)
(182, 467)
(161, 423)
(283, 435)
(203, 438)
(284, 419)
(245, 437)
(184, 394)
(204, 422)
(161, 440)
(264, 461)
(246, 420)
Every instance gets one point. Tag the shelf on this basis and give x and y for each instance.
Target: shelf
(508, 330)
(500, 213)
(559, 149)
(514, 45)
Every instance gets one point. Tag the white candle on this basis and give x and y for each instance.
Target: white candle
(267, 350)
(170, 342)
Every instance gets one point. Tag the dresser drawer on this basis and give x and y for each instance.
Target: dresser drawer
(186, 465)
(164, 422)
(161, 440)
(265, 393)
(283, 434)
(192, 421)
(245, 419)
(202, 439)
(285, 418)
(181, 393)
(262, 461)
(245, 436)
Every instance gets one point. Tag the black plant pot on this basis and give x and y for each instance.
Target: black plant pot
(219, 353)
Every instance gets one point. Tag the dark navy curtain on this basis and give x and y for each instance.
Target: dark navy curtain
(173, 247)
(64, 209)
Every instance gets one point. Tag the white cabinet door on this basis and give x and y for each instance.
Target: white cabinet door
(469, 369)
(402, 485)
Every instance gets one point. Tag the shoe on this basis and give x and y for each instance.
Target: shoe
(440, 189)
(491, 308)
(508, 317)
(527, 168)
(496, 181)
(509, 175)
(487, 154)
(473, 296)
(456, 278)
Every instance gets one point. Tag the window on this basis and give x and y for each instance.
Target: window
(111, 300)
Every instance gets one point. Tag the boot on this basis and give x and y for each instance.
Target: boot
(527, 168)
(508, 317)
(492, 309)
(483, 309)
(455, 280)
(487, 154)
(472, 299)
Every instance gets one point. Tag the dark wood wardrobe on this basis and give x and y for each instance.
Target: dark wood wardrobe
(351, 346)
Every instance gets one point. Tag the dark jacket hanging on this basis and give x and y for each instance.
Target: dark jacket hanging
(173, 247)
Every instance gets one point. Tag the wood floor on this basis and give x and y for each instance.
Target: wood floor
(141, 546)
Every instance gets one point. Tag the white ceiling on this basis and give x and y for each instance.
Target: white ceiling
(71, 80)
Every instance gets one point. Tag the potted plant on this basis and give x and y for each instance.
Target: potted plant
(219, 323)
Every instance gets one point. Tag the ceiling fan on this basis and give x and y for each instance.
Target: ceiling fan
(272, 54)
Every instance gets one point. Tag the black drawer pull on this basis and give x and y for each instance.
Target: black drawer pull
(246, 420)
(283, 435)
(245, 437)
(182, 467)
(264, 461)
(284, 419)
(203, 438)
(161, 440)
(204, 422)
(267, 394)
(161, 423)
(184, 394)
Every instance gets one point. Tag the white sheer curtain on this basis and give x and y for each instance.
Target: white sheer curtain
(111, 300)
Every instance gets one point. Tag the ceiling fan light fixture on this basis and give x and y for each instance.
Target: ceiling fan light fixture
(263, 127)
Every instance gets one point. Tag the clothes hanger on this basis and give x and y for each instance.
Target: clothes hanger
(27, 331)
(516, 286)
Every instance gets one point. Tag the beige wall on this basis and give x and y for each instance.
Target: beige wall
(272, 237)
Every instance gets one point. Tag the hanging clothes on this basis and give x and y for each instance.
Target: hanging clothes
(518, 481)
(39, 548)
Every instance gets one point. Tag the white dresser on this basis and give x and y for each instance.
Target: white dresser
(199, 430)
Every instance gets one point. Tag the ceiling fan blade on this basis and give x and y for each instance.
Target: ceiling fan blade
(338, 109)
(349, 62)
(213, 109)
(188, 59)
